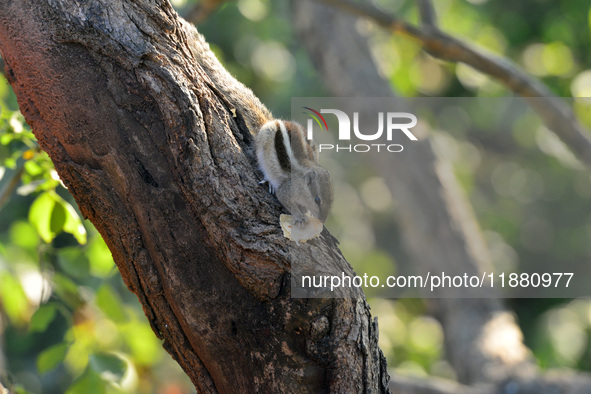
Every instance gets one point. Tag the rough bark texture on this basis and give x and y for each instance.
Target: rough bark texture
(155, 158)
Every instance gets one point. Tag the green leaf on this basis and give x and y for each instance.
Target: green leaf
(109, 366)
(58, 217)
(40, 216)
(33, 168)
(24, 235)
(5, 139)
(73, 224)
(42, 318)
(51, 357)
(145, 347)
(101, 260)
(108, 301)
(10, 162)
(13, 298)
(50, 215)
(89, 383)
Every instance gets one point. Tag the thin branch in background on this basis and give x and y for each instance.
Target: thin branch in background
(556, 114)
(383, 19)
(202, 10)
(427, 12)
(10, 187)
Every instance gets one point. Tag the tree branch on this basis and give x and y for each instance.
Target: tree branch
(10, 187)
(557, 115)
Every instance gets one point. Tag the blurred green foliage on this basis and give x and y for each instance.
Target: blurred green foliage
(69, 324)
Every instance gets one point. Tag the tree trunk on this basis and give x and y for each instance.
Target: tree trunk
(123, 97)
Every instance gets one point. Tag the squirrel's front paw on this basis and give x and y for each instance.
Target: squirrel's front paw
(300, 221)
(271, 188)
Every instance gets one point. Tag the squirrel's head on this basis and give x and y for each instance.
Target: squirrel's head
(320, 195)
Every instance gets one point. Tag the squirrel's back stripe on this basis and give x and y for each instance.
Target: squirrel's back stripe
(302, 149)
(283, 147)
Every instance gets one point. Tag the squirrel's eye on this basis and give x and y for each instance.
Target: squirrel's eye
(317, 200)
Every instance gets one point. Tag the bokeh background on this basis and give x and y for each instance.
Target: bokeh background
(69, 324)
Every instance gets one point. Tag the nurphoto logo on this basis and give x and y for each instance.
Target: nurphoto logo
(395, 123)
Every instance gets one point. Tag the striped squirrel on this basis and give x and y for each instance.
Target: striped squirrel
(289, 162)
(290, 165)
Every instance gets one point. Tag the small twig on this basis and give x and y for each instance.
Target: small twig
(556, 114)
(9, 188)
(428, 15)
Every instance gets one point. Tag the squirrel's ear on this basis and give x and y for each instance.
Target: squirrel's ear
(311, 176)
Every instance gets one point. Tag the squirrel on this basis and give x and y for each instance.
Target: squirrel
(290, 165)
(289, 162)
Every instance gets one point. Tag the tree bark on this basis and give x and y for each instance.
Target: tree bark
(122, 97)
